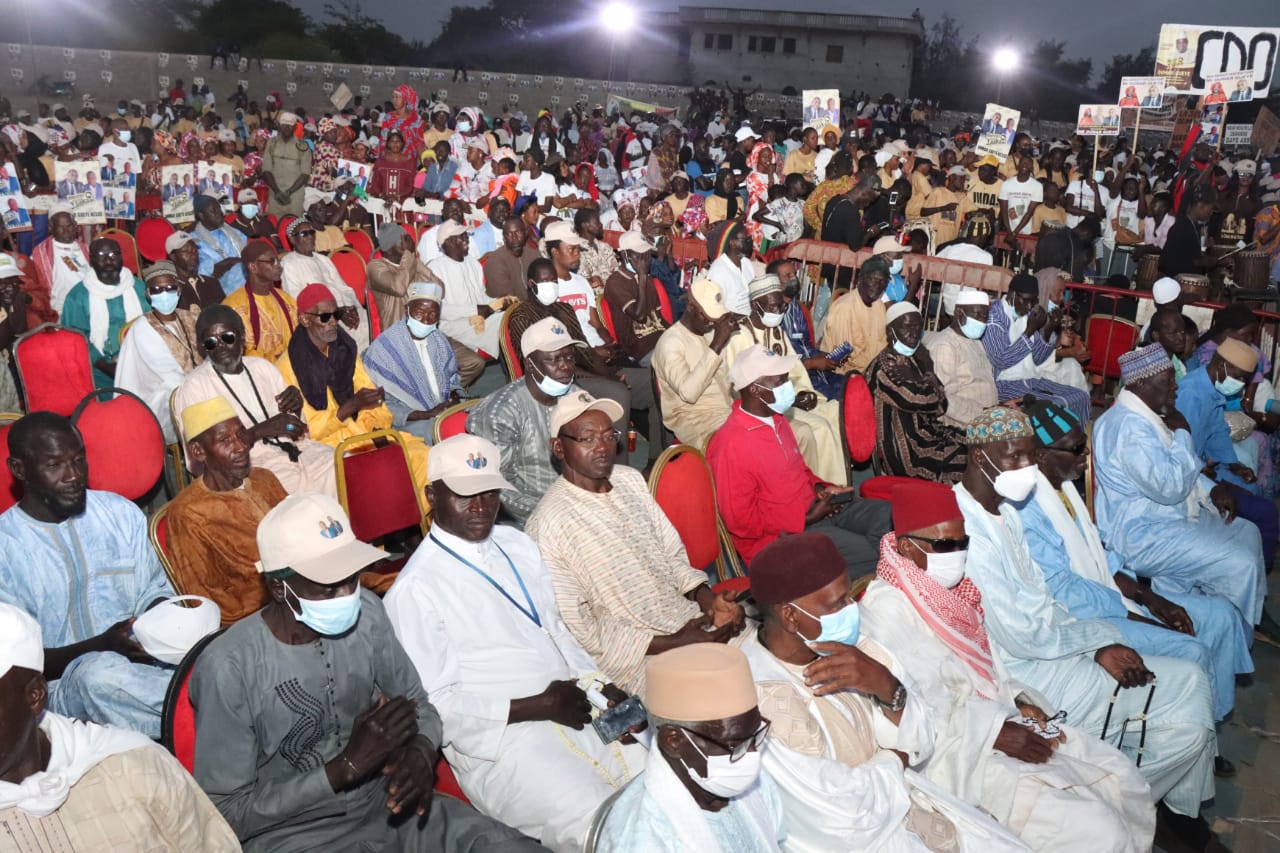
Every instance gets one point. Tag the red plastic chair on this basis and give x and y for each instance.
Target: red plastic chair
(123, 442)
(507, 349)
(151, 234)
(158, 533)
(376, 488)
(606, 317)
(681, 483)
(177, 716)
(53, 364)
(664, 303)
(858, 416)
(360, 241)
(1108, 337)
(128, 247)
(352, 269)
(375, 319)
(452, 421)
(10, 487)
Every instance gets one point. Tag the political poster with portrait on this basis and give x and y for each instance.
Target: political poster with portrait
(215, 179)
(821, 107)
(177, 192)
(1211, 118)
(1237, 135)
(999, 124)
(1098, 120)
(79, 184)
(119, 175)
(1186, 54)
(1233, 88)
(358, 172)
(13, 204)
(1145, 92)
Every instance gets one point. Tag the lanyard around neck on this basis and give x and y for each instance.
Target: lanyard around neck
(530, 613)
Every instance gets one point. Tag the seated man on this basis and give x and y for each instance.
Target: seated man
(107, 297)
(1163, 518)
(506, 268)
(313, 731)
(198, 291)
(993, 744)
(413, 361)
(268, 313)
(339, 398)
(517, 417)
(477, 616)
(693, 797)
(1020, 341)
(857, 318)
(304, 265)
(211, 523)
(633, 299)
(912, 440)
(161, 348)
(814, 420)
(621, 576)
(268, 408)
(218, 244)
(79, 561)
(467, 315)
(72, 785)
(689, 363)
(763, 486)
(796, 326)
(960, 361)
(1078, 665)
(1092, 583)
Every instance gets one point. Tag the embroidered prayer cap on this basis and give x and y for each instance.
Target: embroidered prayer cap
(467, 464)
(9, 267)
(562, 232)
(447, 229)
(254, 250)
(424, 290)
(793, 566)
(576, 403)
(21, 644)
(764, 285)
(156, 270)
(1143, 363)
(547, 335)
(177, 240)
(634, 241)
(1238, 354)
(998, 423)
(899, 309)
(312, 295)
(309, 534)
(970, 296)
(247, 196)
(755, 362)
(292, 230)
(390, 235)
(285, 117)
(1049, 420)
(698, 683)
(710, 298)
(921, 504)
(1165, 290)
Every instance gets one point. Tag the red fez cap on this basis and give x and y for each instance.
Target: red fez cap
(793, 566)
(312, 295)
(923, 504)
(256, 248)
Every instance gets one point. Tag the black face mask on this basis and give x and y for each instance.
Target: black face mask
(791, 291)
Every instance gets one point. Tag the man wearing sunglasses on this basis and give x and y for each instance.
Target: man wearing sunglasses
(267, 313)
(993, 743)
(305, 265)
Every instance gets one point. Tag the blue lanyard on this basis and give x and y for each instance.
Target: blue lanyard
(531, 613)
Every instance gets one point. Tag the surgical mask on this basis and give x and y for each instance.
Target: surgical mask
(165, 302)
(902, 349)
(895, 268)
(896, 174)
(843, 626)
(327, 616)
(121, 111)
(249, 211)
(1229, 386)
(972, 329)
(125, 136)
(552, 387)
(1016, 485)
(419, 329)
(946, 570)
(770, 319)
(725, 778)
(464, 127)
(546, 291)
(784, 397)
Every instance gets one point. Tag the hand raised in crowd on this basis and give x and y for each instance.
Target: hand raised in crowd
(1018, 741)
(411, 777)
(377, 733)
(1124, 665)
(290, 400)
(1224, 500)
(849, 668)
(119, 639)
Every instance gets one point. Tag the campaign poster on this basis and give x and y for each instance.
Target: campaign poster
(1098, 120)
(1211, 116)
(79, 185)
(1233, 88)
(999, 125)
(1237, 135)
(13, 204)
(821, 107)
(358, 172)
(1266, 133)
(177, 192)
(215, 179)
(1144, 92)
(1186, 54)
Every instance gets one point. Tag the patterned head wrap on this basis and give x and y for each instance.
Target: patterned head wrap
(325, 125)
(158, 269)
(409, 94)
(998, 424)
(187, 139)
(1143, 363)
(167, 143)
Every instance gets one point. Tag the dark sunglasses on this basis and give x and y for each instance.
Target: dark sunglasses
(307, 233)
(941, 546)
(228, 338)
(325, 316)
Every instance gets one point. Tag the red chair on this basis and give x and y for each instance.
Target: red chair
(10, 487)
(158, 533)
(612, 238)
(858, 415)
(681, 483)
(507, 349)
(54, 367)
(151, 234)
(606, 317)
(447, 783)
(360, 241)
(122, 440)
(664, 303)
(1108, 337)
(177, 716)
(128, 247)
(375, 319)
(352, 269)
(282, 231)
(376, 488)
(452, 421)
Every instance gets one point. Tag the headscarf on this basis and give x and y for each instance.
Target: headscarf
(325, 125)
(753, 159)
(733, 201)
(410, 96)
(719, 235)
(410, 126)
(187, 139)
(167, 143)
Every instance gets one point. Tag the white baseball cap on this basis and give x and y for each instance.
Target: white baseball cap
(424, 290)
(176, 241)
(448, 229)
(546, 335)
(467, 464)
(710, 298)
(634, 241)
(756, 362)
(20, 640)
(309, 533)
(9, 267)
(169, 630)
(562, 232)
(744, 133)
(572, 405)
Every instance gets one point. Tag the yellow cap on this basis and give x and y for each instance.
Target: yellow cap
(199, 417)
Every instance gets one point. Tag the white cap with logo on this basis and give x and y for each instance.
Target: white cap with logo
(310, 534)
(755, 362)
(574, 404)
(546, 335)
(467, 464)
(562, 232)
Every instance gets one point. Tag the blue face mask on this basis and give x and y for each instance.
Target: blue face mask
(1229, 386)
(843, 626)
(1051, 306)
(328, 616)
(972, 329)
(248, 211)
(902, 349)
(552, 387)
(784, 397)
(418, 329)
(164, 303)
(895, 268)
(120, 111)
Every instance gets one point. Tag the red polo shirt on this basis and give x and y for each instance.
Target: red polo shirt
(763, 486)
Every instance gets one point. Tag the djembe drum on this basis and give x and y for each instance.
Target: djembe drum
(1252, 271)
(1148, 271)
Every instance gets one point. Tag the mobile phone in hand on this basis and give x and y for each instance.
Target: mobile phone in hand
(618, 720)
(841, 498)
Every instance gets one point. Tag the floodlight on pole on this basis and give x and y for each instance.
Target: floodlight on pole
(617, 18)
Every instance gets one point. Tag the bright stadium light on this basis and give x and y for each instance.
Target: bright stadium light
(618, 17)
(1006, 59)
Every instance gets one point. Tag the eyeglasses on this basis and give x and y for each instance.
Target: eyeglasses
(325, 316)
(211, 343)
(941, 546)
(613, 436)
(737, 750)
(155, 289)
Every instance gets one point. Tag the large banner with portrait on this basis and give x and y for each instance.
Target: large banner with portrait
(999, 125)
(13, 204)
(1186, 54)
(821, 107)
(177, 192)
(79, 184)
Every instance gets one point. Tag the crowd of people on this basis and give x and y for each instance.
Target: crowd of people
(996, 654)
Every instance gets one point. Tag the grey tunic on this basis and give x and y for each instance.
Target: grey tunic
(270, 715)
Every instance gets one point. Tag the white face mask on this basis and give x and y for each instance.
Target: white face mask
(464, 127)
(770, 320)
(896, 174)
(946, 570)
(726, 778)
(546, 292)
(1016, 485)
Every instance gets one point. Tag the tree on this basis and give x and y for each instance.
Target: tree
(249, 23)
(358, 38)
(1138, 64)
(944, 65)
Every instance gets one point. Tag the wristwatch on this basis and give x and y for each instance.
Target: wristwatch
(897, 703)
